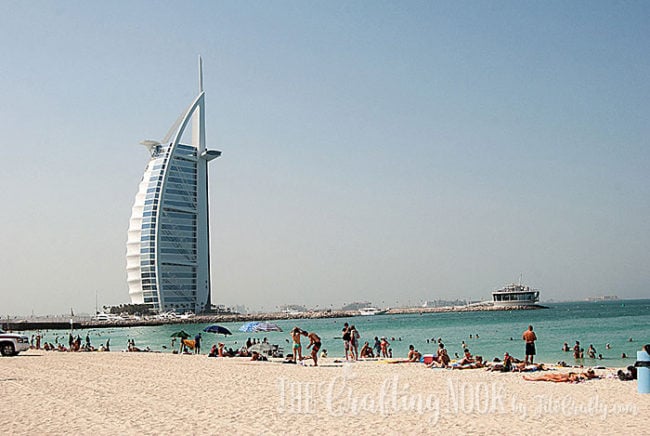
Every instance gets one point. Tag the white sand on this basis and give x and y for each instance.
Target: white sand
(146, 393)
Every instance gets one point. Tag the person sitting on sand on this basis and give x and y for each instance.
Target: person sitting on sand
(467, 358)
(314, 344)
(629, 375)
(442, 359)
(366, 351)
(477, 362)
(213, 351)
(255, 356)
(571, 377)
(507, 362)
(413, 355)
(504, 366)
(221, 349)
(323, 354)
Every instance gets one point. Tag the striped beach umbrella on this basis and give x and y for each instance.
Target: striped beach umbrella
(267, 327)
(249, 326)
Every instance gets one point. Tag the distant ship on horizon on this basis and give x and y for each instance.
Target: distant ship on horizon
(603, 298)
(515, 294)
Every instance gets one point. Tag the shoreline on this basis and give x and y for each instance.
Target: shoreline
(64, 323)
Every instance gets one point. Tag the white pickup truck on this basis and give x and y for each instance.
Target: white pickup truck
(12, 343)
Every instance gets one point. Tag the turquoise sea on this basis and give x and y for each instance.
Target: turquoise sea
(597, 323)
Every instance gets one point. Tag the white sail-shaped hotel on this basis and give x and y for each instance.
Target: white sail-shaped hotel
(168, 247)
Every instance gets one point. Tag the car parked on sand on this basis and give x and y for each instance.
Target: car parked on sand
(12, 343)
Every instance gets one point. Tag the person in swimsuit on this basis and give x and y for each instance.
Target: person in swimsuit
(366, 351)
(530, 338)
(413, 355)
(297, 347)
(571, 377)
(354, 343)
(314, 344)
(346, 339)
(384, 346)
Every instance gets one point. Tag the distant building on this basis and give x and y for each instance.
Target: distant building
(446, 303)
(168, 247)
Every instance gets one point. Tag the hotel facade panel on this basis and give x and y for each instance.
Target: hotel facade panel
(168, 246)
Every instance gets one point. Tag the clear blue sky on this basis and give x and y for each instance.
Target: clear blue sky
(382, 151)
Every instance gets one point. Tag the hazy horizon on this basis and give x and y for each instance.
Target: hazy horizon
(372, 151)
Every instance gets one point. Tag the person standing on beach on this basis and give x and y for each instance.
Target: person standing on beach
(314, 344)
(377, 347)
(297, 347)
(530, 338)
(197, 344)
(354, 343)
(384, 344)
(346, 339)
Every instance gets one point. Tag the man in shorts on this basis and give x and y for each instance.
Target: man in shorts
(346, 339)
(530, 338)
(314, 344)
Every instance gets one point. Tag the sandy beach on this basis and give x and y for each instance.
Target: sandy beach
(151, 393)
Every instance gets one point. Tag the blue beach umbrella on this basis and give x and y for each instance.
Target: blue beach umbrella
(249, 326)
(220, 330)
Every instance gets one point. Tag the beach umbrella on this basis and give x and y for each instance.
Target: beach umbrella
(220, 330)
(249, 326)
(180, 334)
(267, 327)
(262, 348)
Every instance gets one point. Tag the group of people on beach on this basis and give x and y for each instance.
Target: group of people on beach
(296, 346)
(380, 348)
(75, 344)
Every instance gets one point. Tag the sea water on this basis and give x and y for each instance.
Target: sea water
(624, 324)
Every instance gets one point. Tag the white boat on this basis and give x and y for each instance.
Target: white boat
(515, 295)
(107, 317)
(367, 311)
(167, 315)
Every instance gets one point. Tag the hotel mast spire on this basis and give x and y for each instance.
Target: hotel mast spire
(198, 119)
